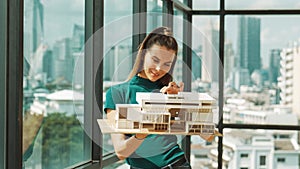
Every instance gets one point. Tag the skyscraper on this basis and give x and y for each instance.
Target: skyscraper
(33, 35)
(210, 59)
(228, 59)
(77, 38)
(249, 43)
(289, 79)
(117, 63)
(274, 65)
(63, 64)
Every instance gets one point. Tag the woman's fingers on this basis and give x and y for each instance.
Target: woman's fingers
(181, 86)
(172, 88)
(164, 89)
(207, 137)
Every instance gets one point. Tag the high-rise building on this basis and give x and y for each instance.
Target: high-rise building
(48, 61)
(274, 65)
(63, 61)
(33, 35)
(77, 45)
(117, 63)
(249, 43)
(229, 61)
(196, 62)
(240, 77)
(77, 38)
(289, 80)
(210, 59)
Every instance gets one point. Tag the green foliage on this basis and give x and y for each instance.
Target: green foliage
(62, 141)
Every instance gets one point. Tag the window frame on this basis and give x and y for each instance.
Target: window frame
(11, 48)
(12, 55)
(94, 21)
(185, 8)
(222, 12)
(3, 44)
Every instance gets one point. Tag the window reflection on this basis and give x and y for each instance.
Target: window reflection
(53, 96)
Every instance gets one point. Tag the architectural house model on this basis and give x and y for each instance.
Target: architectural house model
(183, 113)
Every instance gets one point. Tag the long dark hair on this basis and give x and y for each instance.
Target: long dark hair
(161, 36)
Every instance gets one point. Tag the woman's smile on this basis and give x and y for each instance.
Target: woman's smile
(158, 60)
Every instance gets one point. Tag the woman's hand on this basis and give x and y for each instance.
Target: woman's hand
(140, 136)
(207, 137)
(211, 137)
(123, 146)
(172, 88)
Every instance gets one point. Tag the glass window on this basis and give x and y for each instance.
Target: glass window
(244, 155)
(178, 34)
(281, 160)
(258, 4)
(154, 14)
(117, 40)
(117, 61)
(53, 136)
(260, 55)
(262, 160)
(205, 57)
(205, 61)
(206, 5)
(206, 53)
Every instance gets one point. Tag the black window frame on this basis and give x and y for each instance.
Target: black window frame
(11, 72)
(3, 52)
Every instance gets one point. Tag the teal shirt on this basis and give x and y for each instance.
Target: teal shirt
(156, 150)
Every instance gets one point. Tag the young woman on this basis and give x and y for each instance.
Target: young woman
(152, 71)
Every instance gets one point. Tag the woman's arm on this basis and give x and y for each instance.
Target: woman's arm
(124, 147)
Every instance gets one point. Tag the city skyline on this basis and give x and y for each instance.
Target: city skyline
(252, 101)
(57, 17)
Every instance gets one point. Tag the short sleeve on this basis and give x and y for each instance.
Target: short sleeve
(113, 97)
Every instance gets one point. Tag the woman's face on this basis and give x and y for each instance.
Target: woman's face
(158, 62)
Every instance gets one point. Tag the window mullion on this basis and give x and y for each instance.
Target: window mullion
(14, 83)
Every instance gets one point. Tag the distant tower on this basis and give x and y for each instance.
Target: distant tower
(63, 60)
(48, 61)
(196, 64)
(117, 63)
(249, 43)
(274, 65)
(229, 62)
(77, 38)
(210, 58)
(33, 36)
(77, 44)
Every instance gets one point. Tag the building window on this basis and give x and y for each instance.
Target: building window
(244, 155)
(281, 160)
(262, 160)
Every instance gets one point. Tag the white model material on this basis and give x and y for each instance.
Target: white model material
(189, 113)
